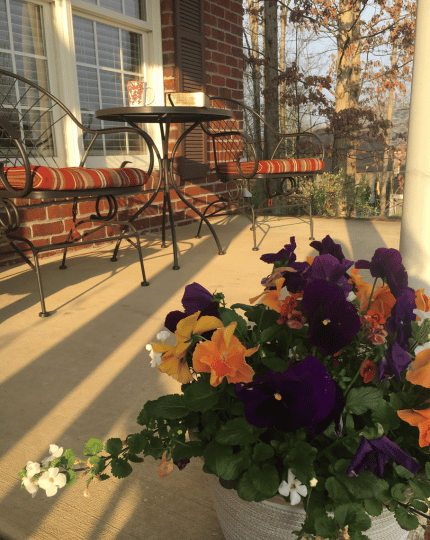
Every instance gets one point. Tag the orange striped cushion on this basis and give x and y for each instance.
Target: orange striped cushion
(75, 178)
(272, 166)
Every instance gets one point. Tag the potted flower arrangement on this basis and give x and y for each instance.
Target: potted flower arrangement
(317, 391)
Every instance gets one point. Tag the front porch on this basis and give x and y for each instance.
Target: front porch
(84, 372)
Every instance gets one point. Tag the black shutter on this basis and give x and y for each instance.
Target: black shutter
(191, 75)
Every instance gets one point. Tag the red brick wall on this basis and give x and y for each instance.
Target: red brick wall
(45, 222)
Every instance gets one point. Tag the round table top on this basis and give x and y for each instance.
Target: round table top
(157, 114)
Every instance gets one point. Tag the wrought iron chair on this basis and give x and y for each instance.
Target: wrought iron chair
(31, 121)
(258, 186)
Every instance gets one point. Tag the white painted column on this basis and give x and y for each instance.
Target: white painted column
(415, 230)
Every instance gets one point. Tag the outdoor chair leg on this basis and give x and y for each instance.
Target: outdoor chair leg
(253, 228)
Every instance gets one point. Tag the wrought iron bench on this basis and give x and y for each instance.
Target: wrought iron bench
(31, 120)
(258, 186)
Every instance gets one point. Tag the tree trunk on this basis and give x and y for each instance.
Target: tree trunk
(271, 74)
(253, 6)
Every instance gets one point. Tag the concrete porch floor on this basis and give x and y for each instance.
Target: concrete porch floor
(84, 372)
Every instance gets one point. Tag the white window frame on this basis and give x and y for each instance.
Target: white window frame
(63, 77)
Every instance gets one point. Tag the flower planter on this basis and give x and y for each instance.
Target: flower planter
(276, 519)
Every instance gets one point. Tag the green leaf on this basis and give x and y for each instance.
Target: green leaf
(405, 520)
(398, 492)
(113, 446)
(326, 527)
(274, 363)
(71, 477)
(246, 489)
(99, 465)
(336, 490)
(359, 400)
(188, 450)
(268, 334)
(428, 469)
(265, 479)
(262, 452)
(402, 471)
(361, 521)
(137, 442)
(238, 431)
(373, 507)
(421, 488)
(300, 459)
(69, 457)
(386, 415)
(134, 459)
(365, 486)
(199, 398)
(221, 461)
(228, 316)
(419, 505)
(169, 407)
(104, 477)
(120, 468)
(143, 418)
(93, 447)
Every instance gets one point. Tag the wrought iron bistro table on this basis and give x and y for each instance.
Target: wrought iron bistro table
(164, 117)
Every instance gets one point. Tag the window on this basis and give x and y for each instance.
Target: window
(84, 52)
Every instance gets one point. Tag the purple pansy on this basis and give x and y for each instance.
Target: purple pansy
(329, 268)
(373, 456)
(286, 255)
(401, 317)
(387, 265)
(328, 247)
(396, 360)
(333, 321)
(196, 298)
(303, 396)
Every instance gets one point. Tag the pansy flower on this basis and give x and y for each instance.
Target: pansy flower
(368, 371)
(173, 361)
(402, 316)
(303, 396)
(395, 361)
(271, 297)
(286, 254)
(420, 372)
(420, 419)
(382, 298)
(196, 298)
(373, 455)
(329, 268)
(224, 356)
(328, 246)
(333, 321)
(387, 265)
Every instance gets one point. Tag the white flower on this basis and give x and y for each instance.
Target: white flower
(155, 357)
(294, 488)
(422, 348)
(351, 297)
(163, 335)
(313, 482)
(423, 315)
(51, 480)
(30, 486)
(32, 468)
(55, 452)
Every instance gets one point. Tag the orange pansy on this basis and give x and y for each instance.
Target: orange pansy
(271, 297)
(420, 372)
(382, 299)
(421, 419)
(422, 302)
(368, 371)
(173, 361)
(224, 356)
(166, 466)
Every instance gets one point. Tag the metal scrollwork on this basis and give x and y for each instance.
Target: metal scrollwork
(112, 211)
(9, 216)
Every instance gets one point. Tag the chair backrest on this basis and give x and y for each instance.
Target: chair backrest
(253, 127)
(43, 123)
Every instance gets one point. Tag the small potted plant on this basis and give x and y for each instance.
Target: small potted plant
(315, 393)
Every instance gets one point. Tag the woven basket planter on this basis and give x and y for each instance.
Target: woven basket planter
(276, 519)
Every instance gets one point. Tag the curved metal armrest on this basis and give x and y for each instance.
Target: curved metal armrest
(149, 142)
(283, 136)
(14, 136)
(248, 140)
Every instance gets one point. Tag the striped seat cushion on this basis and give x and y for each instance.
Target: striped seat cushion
(272, 166)
(74, 178)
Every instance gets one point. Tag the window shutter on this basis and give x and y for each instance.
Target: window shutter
(191, 76)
